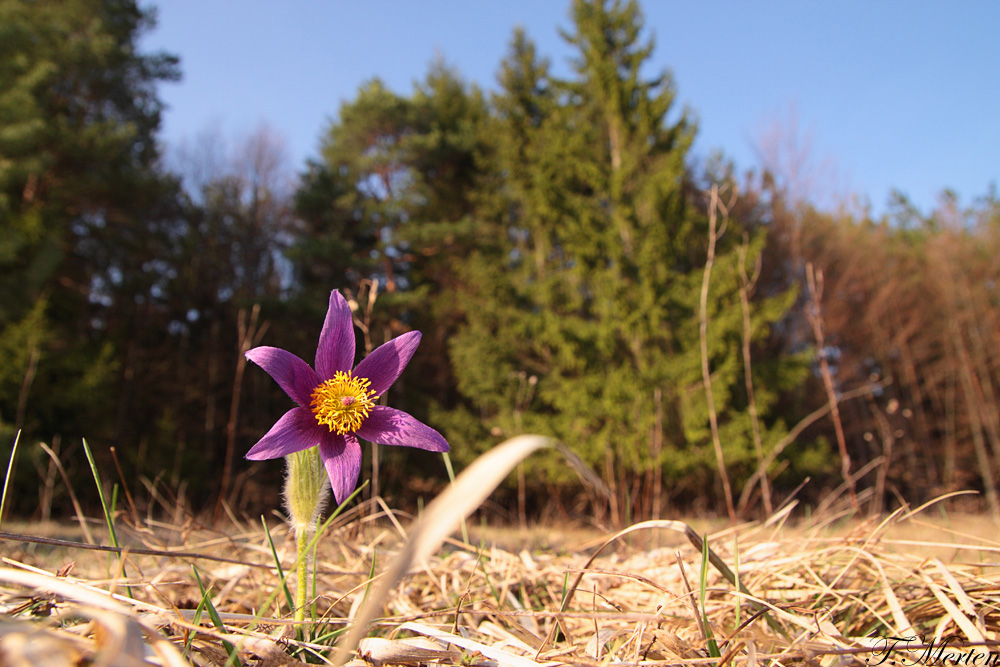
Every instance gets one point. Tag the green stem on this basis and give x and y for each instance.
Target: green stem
(306, 491)
(302, 572)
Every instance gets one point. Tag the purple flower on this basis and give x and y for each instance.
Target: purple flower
(336, 405)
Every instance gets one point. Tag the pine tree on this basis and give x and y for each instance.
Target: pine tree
(349, 201)
(390, 203)
(83, 205)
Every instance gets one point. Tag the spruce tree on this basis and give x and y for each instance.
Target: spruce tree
(584, 324)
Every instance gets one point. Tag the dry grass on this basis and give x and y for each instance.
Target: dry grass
(821, 592)
(389, 590)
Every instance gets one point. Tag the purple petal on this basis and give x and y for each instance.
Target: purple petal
(335, 351)
(384, 365)
(389, 426)
(296, 430)
(341, 456)
(291, 373)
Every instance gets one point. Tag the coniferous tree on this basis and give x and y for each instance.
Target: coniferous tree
(587, 326)
(389, 205)
(84, 210)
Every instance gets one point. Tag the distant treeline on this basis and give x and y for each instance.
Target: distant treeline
(701, 340)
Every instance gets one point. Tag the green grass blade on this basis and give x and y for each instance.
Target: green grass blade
(713, 647)
(10, 469)
(216, 619)
(108, 517)
(371, 577)
(329, 637)
(319, 632)
(486, 575)
(277, 563)
(195, 620)
(312, 544)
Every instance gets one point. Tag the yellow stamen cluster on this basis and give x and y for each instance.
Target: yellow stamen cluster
(343, 403)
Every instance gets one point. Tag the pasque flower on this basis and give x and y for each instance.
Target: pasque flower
(337, 404)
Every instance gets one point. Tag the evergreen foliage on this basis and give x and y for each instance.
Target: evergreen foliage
(550, 239)
(586, 327)
(396, 189)
(81, 196)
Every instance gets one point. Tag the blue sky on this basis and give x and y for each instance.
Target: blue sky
(893, 94)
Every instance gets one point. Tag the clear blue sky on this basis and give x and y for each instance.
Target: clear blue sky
(895, 94)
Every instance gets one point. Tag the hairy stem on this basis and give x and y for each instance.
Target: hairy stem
(302, 536)
(306, 491)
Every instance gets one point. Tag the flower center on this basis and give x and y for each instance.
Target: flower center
(343, 403)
